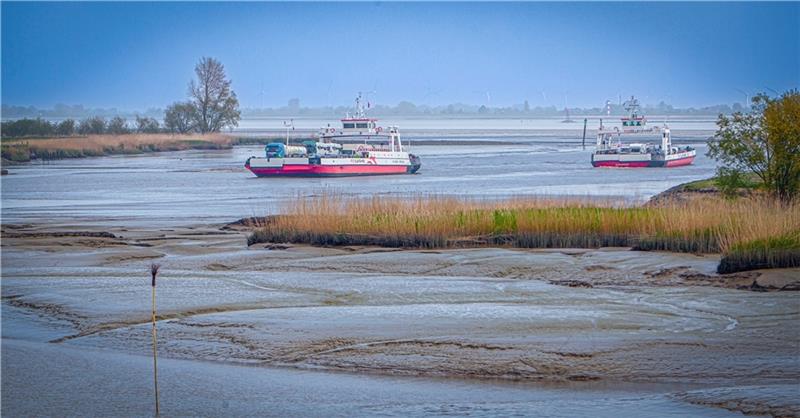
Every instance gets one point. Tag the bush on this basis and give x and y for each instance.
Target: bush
(118, 126)
(21, 128)
(92, 126)
(16, 152)
(147, 125)
(729, 181)
(65, 128)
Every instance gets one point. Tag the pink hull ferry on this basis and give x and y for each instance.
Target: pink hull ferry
(610, 151)
(359, 148)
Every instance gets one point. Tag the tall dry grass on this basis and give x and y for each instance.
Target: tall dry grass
(708, 225)
(96, 145)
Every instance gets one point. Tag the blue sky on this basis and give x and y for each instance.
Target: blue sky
(140, 55)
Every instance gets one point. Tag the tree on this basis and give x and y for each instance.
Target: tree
(180, 117)
(215, 103)
(65, 128)
(146, 125)
(95, 125)
(782, 121)
(765, 141)
(27, 127)
(118, 126)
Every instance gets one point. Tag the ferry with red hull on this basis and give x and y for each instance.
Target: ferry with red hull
(611, 152)
(359, 148)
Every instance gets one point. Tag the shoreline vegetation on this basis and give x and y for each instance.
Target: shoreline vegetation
(752, 232)
(25, 150)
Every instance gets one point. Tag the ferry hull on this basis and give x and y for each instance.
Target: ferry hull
(644, 164)
(314, 170)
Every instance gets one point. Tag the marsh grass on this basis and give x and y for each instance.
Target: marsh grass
(99, 145)
(781, 251)
(710, 225)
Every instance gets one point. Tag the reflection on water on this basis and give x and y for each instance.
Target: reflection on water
(212, 186)
(87, 383)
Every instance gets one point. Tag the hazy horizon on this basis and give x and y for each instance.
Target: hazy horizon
(141, 55)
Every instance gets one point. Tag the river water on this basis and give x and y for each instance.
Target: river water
(212, 186)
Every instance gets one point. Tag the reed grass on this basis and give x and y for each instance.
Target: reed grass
(782, 251)
(709, 225)
(99, 145)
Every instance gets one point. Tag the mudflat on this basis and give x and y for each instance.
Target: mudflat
(597, 317)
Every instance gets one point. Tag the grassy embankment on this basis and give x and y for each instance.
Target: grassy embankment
(749, 232)
(23, 150)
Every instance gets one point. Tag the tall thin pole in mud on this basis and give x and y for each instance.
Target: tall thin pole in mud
(154, 272)
(584, 132)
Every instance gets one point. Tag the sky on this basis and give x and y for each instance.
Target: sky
(142, 55)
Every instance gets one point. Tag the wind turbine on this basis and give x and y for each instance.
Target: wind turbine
(261, 94)
(746, 96)
(567, 119)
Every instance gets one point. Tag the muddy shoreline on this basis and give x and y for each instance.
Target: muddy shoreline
(534, 316)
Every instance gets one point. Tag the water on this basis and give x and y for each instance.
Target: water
(213, 187)
(421, 126)
(189, 388)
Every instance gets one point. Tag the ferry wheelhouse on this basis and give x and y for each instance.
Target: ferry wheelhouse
(359, 148)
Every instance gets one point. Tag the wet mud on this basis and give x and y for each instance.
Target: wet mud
(607, 315)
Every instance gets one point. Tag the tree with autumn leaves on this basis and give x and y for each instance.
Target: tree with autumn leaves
(764, 141)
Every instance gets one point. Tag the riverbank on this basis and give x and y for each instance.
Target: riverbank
(24, 150)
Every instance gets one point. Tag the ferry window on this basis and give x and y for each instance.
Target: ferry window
(349, 125)
(361, 125)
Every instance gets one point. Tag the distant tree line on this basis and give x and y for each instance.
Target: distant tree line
(211, 107)
(76, 112)
(96, 125)
(521, 110)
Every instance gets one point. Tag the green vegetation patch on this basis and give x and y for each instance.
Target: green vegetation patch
(774, 252)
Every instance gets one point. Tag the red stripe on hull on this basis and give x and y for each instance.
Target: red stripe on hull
(329, 170)
(628, 164)
(643, 164)
(682, 161)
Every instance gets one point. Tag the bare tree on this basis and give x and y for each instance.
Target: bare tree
(216, 104)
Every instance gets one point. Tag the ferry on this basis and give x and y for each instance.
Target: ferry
(359, 148)
(611, 152)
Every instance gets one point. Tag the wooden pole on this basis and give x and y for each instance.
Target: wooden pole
(154, 272)
(584, 132)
